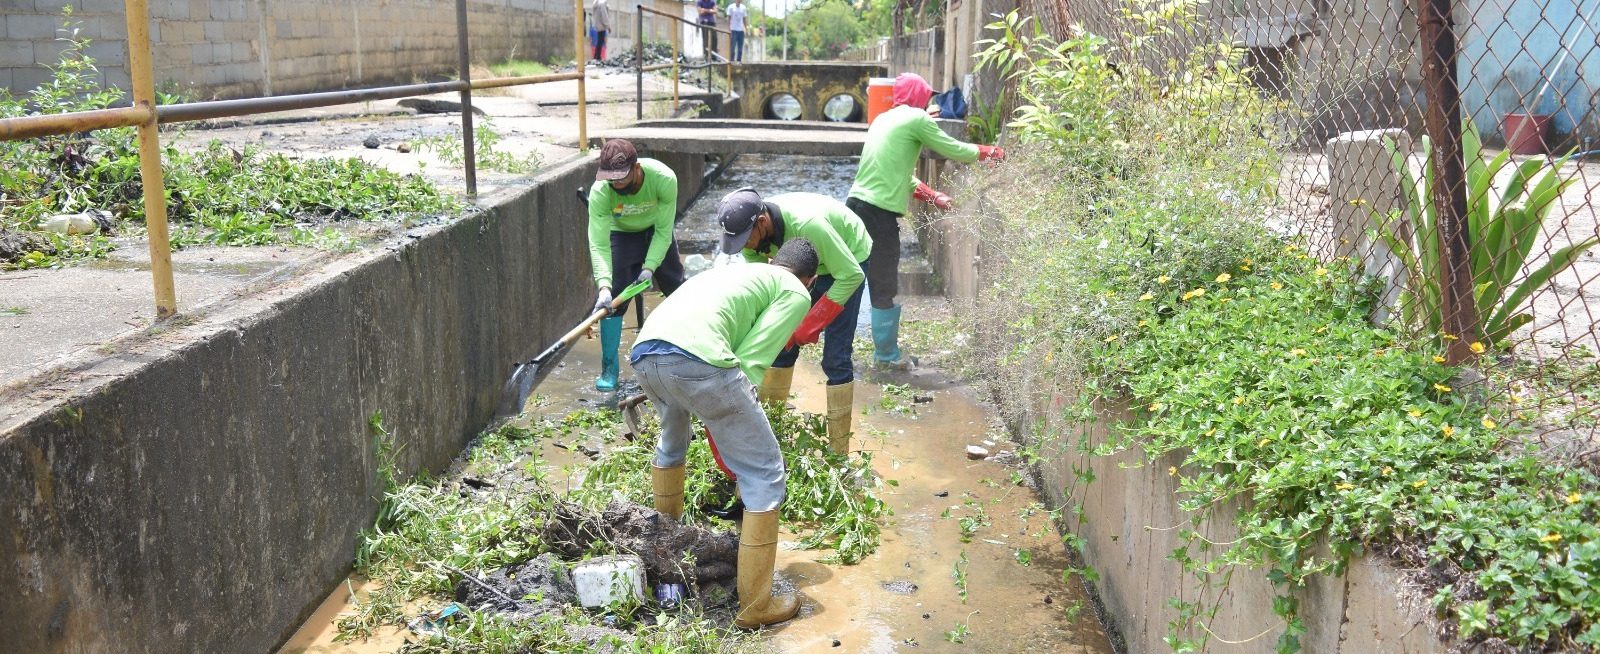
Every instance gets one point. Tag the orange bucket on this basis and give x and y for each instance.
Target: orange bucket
(880, 96)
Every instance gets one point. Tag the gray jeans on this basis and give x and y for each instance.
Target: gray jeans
(726, 402)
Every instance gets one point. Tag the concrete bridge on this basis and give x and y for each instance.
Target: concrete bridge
(764, 87)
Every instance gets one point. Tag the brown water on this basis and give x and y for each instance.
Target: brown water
(1009, 607)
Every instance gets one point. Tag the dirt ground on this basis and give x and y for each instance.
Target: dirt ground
(906, 596)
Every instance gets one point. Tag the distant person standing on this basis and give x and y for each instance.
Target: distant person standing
(600, 19)
(736, 16)
(708, 19)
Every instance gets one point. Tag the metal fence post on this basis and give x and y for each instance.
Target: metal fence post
(1449, 192)
(469, 152)
(155, 200)
(638, 61)
(582, 58)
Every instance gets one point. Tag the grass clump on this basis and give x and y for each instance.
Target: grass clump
(215, 195)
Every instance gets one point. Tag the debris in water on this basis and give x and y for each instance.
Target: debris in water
(921, 399)
(669, 595)
(589, 451)
(432, 622)
(942, 494)
(403, 148)
(899, 587)
(977, 452)
(475, 482)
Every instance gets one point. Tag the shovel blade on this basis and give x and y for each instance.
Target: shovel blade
(514, 395)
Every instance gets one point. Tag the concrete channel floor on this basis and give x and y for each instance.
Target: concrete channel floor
(904, 597)
(52, 319)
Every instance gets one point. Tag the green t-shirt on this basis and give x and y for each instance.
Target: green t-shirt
(838, 235)
(736, 315)
(654, 205)
(889, 157)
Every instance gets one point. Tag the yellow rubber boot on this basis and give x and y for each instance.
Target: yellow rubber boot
(758, 551)
(667, 486)
(775, 386)
(841, 401)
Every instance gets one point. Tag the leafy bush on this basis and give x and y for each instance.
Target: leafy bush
(1501, 232)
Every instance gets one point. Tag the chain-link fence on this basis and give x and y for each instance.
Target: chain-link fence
(1446, 146)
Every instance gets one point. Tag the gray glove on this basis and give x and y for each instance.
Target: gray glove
(645, 276)
(602, 301)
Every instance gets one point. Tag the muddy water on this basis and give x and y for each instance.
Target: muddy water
(699, 232)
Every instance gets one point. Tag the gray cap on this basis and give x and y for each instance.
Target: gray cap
(737, 212)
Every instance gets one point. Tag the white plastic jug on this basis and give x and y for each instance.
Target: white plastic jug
(609, 579)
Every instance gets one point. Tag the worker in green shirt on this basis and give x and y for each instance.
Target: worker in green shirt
(632, 208)
(882, 193)
(701, 354)
(758, 228)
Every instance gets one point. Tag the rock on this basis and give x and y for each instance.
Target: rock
(977, 452)
(660, 542)
(899, 587)
(402, 147)
(836, 642)
(372, 142)
(942, 494)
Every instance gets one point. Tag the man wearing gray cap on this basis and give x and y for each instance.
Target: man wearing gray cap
(758, 227)
(632, 208)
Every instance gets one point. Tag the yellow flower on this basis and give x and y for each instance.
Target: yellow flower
(1357, 202)
(1276, 286)
(1320, 271)
(1297, 352)
(1049, 356)
(1291, 248)
(1476, 347)
(1245, 267)
(1438, 359)
(1344, 487)
(1157, 407)
(1225, 300)
(1163, 279)
(1414, 413)
(1143, 323)
(1172, 471)
(1487, 423)
(1515, 398)
(1146, 297)
(1263, 442)
(1387, 471)
(1322, 330)
(1419, 483)
(1111, 338)
(1442, 388)
(1223, 278)
(1237, 400)
(1190, 295)
(1550, 538)
(1574, 498)
(1450, 337)
(1212, 431)
(1449, 431)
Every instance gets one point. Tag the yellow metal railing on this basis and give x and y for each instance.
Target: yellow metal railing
(640, 68)
(147, 116)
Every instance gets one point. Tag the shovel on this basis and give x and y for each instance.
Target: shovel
(527, 375)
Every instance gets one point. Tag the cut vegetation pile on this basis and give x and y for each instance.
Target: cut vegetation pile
(500, 520)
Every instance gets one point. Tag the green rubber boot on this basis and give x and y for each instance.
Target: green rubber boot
(886, 339)
(610, 340)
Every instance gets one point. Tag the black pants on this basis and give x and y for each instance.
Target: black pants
(627, 259)
(600, 45)
(883, 271)
(710, 37)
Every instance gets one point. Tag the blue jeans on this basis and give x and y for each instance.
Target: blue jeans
(838, 338)
(738, 45)
(725, 401)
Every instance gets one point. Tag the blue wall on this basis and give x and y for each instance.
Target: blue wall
(1510, 47)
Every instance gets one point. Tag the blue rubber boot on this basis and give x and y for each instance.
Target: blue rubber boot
(886, 338)
(610, 339)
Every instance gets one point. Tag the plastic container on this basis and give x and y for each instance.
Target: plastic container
(1525, 133)
(880, 96)
(606, 580)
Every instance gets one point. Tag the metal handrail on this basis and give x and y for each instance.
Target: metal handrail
(147, 116)
(640, 68)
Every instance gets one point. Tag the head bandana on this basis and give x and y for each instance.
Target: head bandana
(910, 89)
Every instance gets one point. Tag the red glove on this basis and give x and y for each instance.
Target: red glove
(822, 313)
(991, 153)
(926, 193)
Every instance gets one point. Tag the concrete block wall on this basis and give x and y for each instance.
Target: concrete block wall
(205, 489)
(241, 48)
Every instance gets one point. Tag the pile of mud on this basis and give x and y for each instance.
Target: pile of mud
(702, 560)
